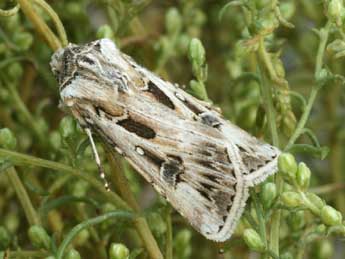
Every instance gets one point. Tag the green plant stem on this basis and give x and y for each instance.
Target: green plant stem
(267, 96)
(260, 216)
(22, 109)
(328, 188)
(304, 118)
(57, 22)
(336, 158)
(309, 204)
(88, 223)
(271, 118)
(21, 159)
(169, 236)
(323, 34)
(266, 60)
(23, 197)
(41, 27)
(140, 223)
(27, 254)
(10, 12)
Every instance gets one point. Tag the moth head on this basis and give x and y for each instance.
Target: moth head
(100, 59)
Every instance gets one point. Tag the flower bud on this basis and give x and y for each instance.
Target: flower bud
(73, 8)
(287, 9)
(337, 230)
(183, 237)
(296, 220)
(303, 176)
(253, 240)
(12, 222)
(80, 188)
(14, 71)
(72, 254)
(182, 244)
(5, 238)
(266, 23)
(198, 89)
(320, 229)
(23, 40)
(7, 139)
(173, 21)
(157, 224)
(39, 237)
(337, 47)
(335, 11)
(82, 237)
(316, 200)
(322, 76)
(67, 127)
(331, 216)
(55, 140)
(196, 52)
(268, 194)
(105, 31)
(183, 43)
(322, 250)
(287, 165)
(286, 255)
(291, 199)
(118, 251)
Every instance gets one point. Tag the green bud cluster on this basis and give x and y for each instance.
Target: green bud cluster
(73, 254)
(173, 21)
(336, 11)
(253, 240)
(105, 31)
(7, 139)
(297, 174)
(331, 216)
(39, 237)
(118, 251)
(197, 57)
(337, 48)
(268, 194)
(182, 246)
(287, 165)
(5, 238)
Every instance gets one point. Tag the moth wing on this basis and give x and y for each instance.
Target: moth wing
(257, 159)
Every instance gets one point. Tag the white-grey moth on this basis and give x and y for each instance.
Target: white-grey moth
(200, 162)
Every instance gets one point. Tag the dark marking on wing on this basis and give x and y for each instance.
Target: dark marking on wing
(87, 60)
(205, 194)
(192, 107)
(137, 128)
(211, 178)
(170, 172)
(160, 95)
(209, 119)
(158, 161)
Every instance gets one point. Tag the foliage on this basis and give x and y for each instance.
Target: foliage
(274, 67)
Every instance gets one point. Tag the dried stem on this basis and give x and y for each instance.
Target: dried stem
(140, 223)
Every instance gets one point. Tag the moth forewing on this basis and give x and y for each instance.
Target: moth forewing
(200, 162)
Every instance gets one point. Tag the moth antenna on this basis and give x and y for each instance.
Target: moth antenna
(98, 161)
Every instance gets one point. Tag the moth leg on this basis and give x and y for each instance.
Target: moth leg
(98, 161)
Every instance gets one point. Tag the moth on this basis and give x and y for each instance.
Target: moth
(200, 162)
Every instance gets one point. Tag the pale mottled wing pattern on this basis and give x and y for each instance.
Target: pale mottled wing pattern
(200, 162)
